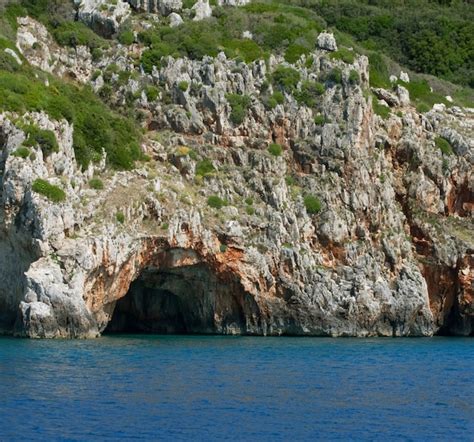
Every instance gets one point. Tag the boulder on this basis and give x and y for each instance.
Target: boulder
(327, 41)
(202, 10)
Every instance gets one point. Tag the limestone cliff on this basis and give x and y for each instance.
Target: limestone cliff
(290, 219)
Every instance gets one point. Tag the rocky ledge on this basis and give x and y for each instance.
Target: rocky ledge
(292, 218)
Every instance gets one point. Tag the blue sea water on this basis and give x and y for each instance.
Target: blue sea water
(237, 388)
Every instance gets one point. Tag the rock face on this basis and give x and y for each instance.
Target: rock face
(360, 227)
(327, 41)
(164, 7)
(103, 16)
(202, 10)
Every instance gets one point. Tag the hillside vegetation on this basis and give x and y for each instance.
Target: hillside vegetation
(430, 37)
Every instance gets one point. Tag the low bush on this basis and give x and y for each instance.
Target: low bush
(343, 54)
(152, 93)
(205, 168)
(96, 127)
(422, 96)
(286, 78)
(309, 92)
(354, 77)
(120, 217)
(96, 183)
(378, 71)
(380, 109)
(8, 62)
(444, 146)
(75, 33)
(215, 202)
(294, 52)
(183, 86)
(275, 149)
(126, 37)
(239, 105)
(319, 120)
(312, 204)
(250, 210)
(335, 76)
(43, 138)
(50, 191)
(21, 152)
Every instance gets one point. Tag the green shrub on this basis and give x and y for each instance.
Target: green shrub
(443, 145)
(120, 217)
(75, 33)
(274, 100)
(380, 109)
(215, 202)
(312, 204)
(343, 54)
(309, 92)
(422, 96)
(378, 71)
(126, 37)
(43, 138)
(8, 62)
(270, 103)
(96, 183)
(286, 78)
(249, 201)
(423, 108)
(431, 36)
(275, 149)
(96, 127)
(22, 152)
(319, 120)
(239, 105)
(50, 191)
(250, 210)
(246, 49)
(205, 168)
(290, 180)
(183, 86)
(354, 77)
(152, 93)
(294, 52)
(335, 76)
(279, 97)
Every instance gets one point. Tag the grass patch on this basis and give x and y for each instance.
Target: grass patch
(216, 202)
(239, 105)
(50, 191)
(286, 79)
(312, 204)
(96, 183)
(22, 152)
(205, 168)
(309, 93)
(275, 149)
(444, 146)
(43, 138)
(343, 54)
(96, 127)
(380, 109)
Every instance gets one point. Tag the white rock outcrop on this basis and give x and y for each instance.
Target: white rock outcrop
(327, 41)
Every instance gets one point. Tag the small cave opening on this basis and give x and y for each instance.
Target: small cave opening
(184, 300)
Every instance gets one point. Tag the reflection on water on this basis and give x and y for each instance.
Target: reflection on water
(238, 388)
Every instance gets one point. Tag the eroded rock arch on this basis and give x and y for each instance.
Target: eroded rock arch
(166, 289)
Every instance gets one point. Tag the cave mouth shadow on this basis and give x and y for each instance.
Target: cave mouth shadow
(184, 300)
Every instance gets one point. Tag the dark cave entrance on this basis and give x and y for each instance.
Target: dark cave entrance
(183, 300)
